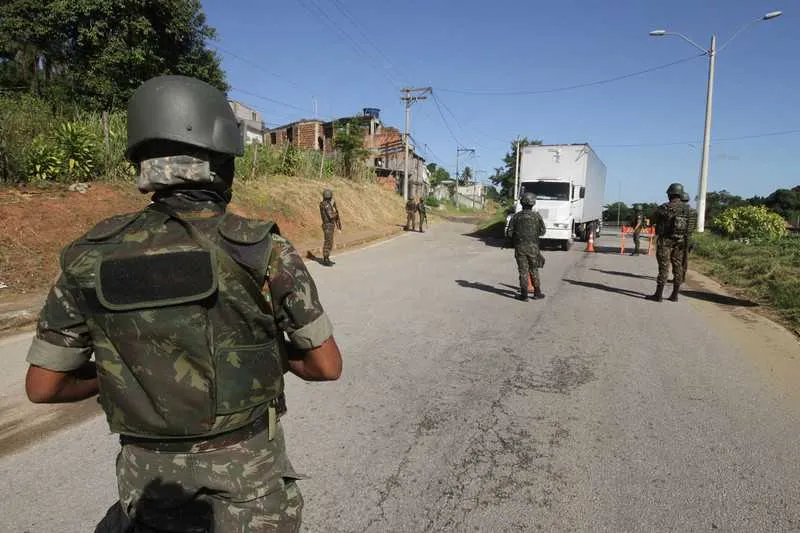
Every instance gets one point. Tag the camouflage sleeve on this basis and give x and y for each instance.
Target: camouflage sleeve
(62, 342)
(294, 297)
(542, 227)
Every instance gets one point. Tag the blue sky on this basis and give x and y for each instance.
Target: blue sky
(350, 54)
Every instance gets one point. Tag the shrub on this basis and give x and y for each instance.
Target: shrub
(44, 161)
(430, 201)
(750, 222)
(78, 151)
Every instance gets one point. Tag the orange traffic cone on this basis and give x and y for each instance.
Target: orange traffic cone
(590, 241)
(530, 282)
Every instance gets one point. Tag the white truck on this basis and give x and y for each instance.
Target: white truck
(569, 182)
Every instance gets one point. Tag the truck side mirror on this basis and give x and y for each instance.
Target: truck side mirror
(583, 192)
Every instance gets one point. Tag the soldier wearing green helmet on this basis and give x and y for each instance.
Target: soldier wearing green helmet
(524, 230)
(330, 221)
(672, 222)
(637, 222)
(193, 315)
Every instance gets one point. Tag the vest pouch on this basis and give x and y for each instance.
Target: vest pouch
(156, 367)
(248, 376)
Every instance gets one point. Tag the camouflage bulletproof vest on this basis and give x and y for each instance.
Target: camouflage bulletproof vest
(329, 212)
(526, 228)
(675, 225)
(185, 343)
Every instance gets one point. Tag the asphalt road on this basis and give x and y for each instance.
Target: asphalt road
(462, 409)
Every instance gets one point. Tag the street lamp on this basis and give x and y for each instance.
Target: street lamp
(712, 60)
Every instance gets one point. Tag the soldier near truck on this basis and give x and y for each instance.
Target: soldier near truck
(524, 230)
(193, 315)
(672, 222)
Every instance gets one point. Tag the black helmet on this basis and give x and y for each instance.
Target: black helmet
(528, 199)
(685, 197)
(327, 194)
(675, 189)
(184, 110)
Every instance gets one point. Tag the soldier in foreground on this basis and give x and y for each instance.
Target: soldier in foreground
(411, 209)
(672, 229)
(636, 223)
(193, 315)
(524, 230)
(330, 221)
(423, 214)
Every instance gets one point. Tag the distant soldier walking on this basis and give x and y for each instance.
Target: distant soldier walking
(330, 221)
(637, 222)
(524, 231)
(411, 209)
(423, 214)
(672, 222)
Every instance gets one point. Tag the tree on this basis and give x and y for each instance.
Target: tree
(466, 176)
(785, 202)
(97, 52)
(437, 174)
(349, 141)
(504, 176)
(611, 212)
(717, 202)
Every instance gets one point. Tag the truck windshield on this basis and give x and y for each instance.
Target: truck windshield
(547, 190)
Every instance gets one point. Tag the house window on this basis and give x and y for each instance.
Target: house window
(254, 115)
(273, 138)
(290, 135)
(321, 144)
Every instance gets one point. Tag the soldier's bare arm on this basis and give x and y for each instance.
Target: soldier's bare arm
(59, 357)
(313, 352)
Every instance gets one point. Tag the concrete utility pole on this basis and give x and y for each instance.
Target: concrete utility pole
(712, 61)
(516, 175)
(459, 151)
(408, 99)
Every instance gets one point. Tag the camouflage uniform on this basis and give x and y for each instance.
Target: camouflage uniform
(636, 223)
(411, 209)
(423, 215)
(524, 230)
(672, 243)
(207, 425)
(330, 220)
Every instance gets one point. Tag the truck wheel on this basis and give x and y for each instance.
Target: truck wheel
(566, 245)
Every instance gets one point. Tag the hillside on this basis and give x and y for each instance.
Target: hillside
(35, 223)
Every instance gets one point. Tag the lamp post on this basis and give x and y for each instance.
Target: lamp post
(711, 52)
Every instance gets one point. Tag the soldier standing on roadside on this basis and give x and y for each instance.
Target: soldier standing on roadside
(187, 309)
(330, 221)
(423, 214)
(411, 209)
(636, 223)
(672, 229)
(524, 230)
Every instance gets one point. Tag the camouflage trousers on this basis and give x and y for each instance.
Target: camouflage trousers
(248, 487)
(327, 246)
(670, 252)
(410, 221)
(528, 263)
(636, 240)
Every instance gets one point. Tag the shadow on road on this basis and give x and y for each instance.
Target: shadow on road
(486, 288)
(493, 235)
(626, 274)
(607, 288)
(602, 249)
(718, 298)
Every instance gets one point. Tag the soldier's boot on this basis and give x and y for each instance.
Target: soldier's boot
(523, 293)
(326, 260)
(658, 295)
(675, 290)
(635, 251)
(537, 293)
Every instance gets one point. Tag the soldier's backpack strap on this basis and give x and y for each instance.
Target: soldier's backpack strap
(251, 241)
(111, 227)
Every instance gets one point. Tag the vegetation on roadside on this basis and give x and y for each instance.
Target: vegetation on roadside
(750, 222)
(766, 270)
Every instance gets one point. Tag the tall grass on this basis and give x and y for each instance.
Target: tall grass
(767, 271)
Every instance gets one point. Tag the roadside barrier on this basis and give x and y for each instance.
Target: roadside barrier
(649, 231)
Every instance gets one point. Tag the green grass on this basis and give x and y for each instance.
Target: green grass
(769, 272)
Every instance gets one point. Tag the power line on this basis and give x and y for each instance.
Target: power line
(571, 87)
(256, 65)
(721, 139)
(441, 114)
(268, 99)
(320, 13)
(346, 12)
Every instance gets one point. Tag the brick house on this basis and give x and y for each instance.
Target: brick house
(384, 143)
